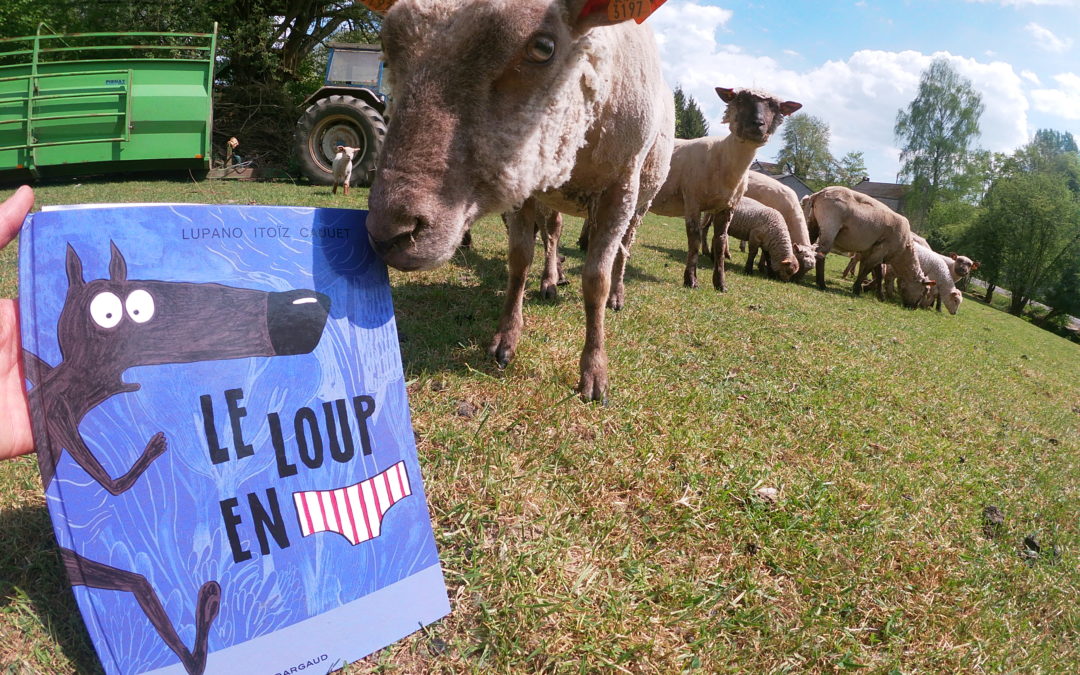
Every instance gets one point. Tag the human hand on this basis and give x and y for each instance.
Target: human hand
(15, 438)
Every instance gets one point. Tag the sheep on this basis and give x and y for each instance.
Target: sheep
(960, 266)
(764, 227)
(933, 265)
(853, 222)
(774, 194)
(552, 100)
(342, 166)
(709, 174)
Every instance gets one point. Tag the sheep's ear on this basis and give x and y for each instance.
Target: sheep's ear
(587, 14)
(74, 268)
(726, 95)
(930, 283)
(975, 265)
(378, 6)
(953, 256)
(117, 264)
(788, 107)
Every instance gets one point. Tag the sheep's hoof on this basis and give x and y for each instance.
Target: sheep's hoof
(502, 348)
(616, 299)
(549, 291)
(689, 279)
(593, 388)
(719, 284)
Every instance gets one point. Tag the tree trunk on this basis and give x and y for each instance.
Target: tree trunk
(989, 293)
(1017, 304)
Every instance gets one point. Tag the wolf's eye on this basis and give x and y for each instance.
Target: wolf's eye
(540, 49)
(106, 309)
(140, 306)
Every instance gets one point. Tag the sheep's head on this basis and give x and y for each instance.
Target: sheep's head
(963, 264)
(787, 268)
(807, 260)
(752, 115)
(952, 300)
(491, 102)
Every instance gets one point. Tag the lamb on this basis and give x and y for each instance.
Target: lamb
(530, 98)
(342, 166)
(709, 174)
(960, 266)
(933, 265)
(764, 227)
(853, 222)
(774, 194)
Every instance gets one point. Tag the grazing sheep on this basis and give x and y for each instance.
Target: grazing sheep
(343, 162)
(709, 174)
(853, 222)
(774, 194)
(499, 100)
(764, 227)
(933, 265)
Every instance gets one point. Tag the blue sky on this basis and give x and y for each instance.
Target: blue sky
(855, 64)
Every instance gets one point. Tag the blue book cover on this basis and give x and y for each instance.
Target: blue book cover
(223, 434)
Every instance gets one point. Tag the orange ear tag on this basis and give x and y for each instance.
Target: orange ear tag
(378, 5)
(638, 10)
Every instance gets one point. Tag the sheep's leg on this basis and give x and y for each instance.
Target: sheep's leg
(850, 269)
(826, 236)
(721, 222)
(693, 245)
(612, 215)
(551, 231)
(583, 238)
(750, 255)
(706, 223)
(617, 295)
(521, 228)
(765, 265)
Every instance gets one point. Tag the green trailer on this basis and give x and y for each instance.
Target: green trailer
(82, 103)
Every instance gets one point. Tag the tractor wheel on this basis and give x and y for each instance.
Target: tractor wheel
(333, 121)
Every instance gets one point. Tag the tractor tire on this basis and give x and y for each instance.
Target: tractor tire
(339, 120)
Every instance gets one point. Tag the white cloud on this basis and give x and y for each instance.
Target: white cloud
(858, 97)
(1030, 77)
(1046, 40)
(1063, 101)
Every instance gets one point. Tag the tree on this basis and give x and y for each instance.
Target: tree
(935, 133)
(689, 120)
(805, 151)
(1027, 235)
(849, 170)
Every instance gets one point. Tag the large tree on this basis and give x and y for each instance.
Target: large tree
(936, 133)
(689, 120)
(849, 170)
(1027, 234)
(805, 151)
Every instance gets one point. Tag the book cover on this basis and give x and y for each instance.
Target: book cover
(223, 435)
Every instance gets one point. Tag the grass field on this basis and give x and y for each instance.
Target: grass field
(631, 537)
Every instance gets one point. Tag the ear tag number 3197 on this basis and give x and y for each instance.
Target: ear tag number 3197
(638, 10)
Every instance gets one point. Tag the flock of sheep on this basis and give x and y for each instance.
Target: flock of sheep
(534, 108)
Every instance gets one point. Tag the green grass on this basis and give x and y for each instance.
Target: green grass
(580, 537)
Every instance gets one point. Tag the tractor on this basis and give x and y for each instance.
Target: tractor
(347, 110)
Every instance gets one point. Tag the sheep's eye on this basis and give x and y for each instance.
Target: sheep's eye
(540, 49)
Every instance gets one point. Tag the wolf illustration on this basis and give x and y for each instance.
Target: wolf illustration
(109, 325)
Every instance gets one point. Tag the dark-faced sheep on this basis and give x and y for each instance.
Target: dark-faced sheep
(709, 174)
(499, 100)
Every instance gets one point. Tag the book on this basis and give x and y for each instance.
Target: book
(221, 423)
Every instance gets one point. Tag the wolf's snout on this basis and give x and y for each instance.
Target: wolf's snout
(295, 320)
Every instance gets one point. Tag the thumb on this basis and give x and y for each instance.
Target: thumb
(12, 213)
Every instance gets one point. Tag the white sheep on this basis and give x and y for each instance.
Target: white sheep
(499, 100)
(960, 266)
(342, 166)
(765, 228)
(774, 194)
(709, 174)
(933, 266)
(855, 223)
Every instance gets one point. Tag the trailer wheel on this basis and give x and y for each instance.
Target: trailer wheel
(339, 120)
